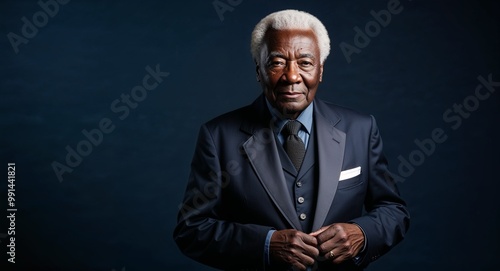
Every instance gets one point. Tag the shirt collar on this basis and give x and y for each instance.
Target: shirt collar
(305, 118)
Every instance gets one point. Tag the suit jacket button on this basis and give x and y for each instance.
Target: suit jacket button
(302, 216)
(299, 184)
(300, 199)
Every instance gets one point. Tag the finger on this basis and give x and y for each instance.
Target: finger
(307, 260)
(340, 236)
(339, 257)
(309, 240)
(316, 233)
(305, 247)
(309, 245)
(327, 234)
(311, 251)
(300, 261)
(330, 255)
(327, 246)
(334, 239)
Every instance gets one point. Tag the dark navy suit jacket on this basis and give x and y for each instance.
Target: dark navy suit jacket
(236, 191)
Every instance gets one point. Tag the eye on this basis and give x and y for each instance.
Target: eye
(277, 63)
(305, 63)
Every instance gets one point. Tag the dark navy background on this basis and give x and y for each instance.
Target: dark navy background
(117, 209)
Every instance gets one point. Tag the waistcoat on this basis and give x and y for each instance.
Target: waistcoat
(302, 184)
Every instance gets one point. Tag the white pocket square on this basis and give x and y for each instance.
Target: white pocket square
(349, 173)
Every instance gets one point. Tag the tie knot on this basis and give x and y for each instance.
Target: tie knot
(291, 127)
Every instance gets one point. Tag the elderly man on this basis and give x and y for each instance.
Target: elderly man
(290, 182)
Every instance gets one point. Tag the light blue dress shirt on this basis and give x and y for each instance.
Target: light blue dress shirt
(305, 118)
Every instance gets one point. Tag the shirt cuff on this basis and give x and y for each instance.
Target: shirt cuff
(267, 245)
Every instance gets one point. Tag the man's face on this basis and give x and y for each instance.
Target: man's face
(289, 69)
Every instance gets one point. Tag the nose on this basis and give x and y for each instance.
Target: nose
(291, 73)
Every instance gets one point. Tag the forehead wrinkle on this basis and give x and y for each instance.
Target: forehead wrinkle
(290, 45)
(307, 55)
(276, 54)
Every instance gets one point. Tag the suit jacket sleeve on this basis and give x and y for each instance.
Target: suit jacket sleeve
(387, 218)
(204, 231)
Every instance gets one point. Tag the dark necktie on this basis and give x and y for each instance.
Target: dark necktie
(294, 146)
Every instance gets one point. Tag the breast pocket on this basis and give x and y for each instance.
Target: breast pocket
(350, 178)
(350, 183)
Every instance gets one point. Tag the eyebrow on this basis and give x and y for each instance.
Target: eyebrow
(280, 55)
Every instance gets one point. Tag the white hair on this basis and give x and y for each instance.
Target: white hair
(290, 19)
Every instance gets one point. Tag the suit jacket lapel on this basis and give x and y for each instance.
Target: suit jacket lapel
(331, 145)
(262, 153)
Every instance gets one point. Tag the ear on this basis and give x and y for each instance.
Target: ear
(321, 73)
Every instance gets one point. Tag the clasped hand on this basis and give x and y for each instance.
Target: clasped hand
(337, 243)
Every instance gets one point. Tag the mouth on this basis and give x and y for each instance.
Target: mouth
(290, 94)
